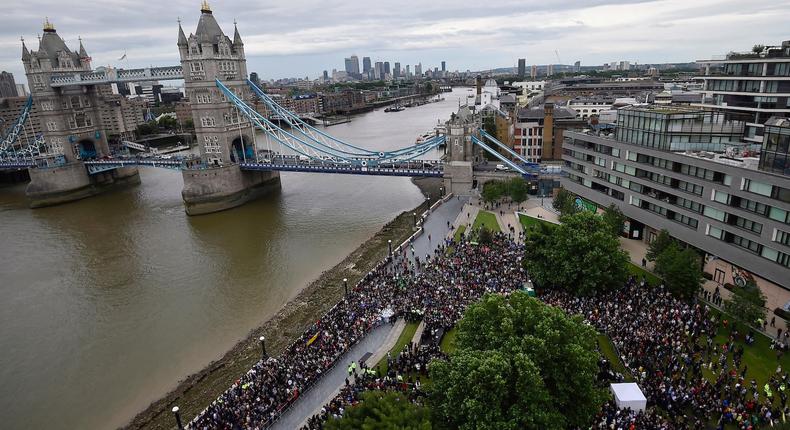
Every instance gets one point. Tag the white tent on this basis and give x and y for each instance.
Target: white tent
(628, 395)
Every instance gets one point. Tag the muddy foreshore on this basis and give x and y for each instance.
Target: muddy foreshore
(198, 390)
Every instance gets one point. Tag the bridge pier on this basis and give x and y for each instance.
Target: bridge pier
(55, 185)
(219, 188)
(458, 177)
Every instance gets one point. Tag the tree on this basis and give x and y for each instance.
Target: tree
(564, 202)
(484, 236)
(614, 218)
(518, 364)
(747, 304)
(517, 189)
(680, 269)
(658, 245)
(189, 124)
(489, 125)
(580, 254)
(381, 410)
(146, 128)
(493, 191)
(168, 123)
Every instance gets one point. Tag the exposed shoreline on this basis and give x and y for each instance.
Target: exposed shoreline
(196, 391)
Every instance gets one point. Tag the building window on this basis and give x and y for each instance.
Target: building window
(196, 66)
(207, 121)
(211, 144)
(52, 126)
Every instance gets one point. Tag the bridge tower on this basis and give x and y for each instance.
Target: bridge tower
(458, 172)
(71, 124)
(225, 137)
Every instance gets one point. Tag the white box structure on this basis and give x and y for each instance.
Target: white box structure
(628, 395)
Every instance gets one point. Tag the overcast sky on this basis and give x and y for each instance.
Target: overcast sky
(304, 37)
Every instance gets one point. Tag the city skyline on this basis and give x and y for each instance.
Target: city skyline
(299, 41)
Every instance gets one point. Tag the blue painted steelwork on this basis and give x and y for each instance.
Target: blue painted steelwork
(12, 134)
(99, 166)
(501, 157)
(308, 146)
(507, 149)
(350, 170)
(22, 164)
(327, 140)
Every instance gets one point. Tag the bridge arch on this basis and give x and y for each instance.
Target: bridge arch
(86, 149)
(242, 148)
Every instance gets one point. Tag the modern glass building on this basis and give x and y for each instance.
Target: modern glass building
(775, 153)
(654, 169)
(756, 83)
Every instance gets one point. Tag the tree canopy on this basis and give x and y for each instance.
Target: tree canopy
(580, 254)
(515, 188)
(658, 245)
(564, 202)
(747, 304)
(518, 364)
(614, 218)
(380, 410)
(680, 268)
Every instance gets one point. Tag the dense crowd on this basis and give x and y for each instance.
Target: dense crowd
(438, 289)
(666, 344)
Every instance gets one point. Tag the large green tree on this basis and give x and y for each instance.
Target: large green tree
(658, 245)
(614, 218)
(680, 269)
(383, 410)
(517, 189)
(519, 364)
(581, 255)
(747, 304)
(564, 202)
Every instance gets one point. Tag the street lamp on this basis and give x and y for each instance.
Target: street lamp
(345, 285)
(414, 214)
(263, 347)
(389, 242)
(178, 418)
(441, 191)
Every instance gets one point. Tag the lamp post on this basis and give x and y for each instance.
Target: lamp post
(178, 418)
(345, 284)
(414, 214)
(263, 347)
(441, 192)
(389, 242)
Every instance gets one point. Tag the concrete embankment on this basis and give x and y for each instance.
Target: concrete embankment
(196, 391)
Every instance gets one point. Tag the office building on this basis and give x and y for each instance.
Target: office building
(418, 69)
(7, 85)
(366, 66)
(775, 152)
(754, 84)
(396, 71)
(723, 204)
(522, 67)
(533, 72)
(444, 67)
(538, 132)
(550, 70)
(378, 70)
(326, 76)
(408, 70)
(255, 79)
(577, 66)
(386, 68)
(354, 66)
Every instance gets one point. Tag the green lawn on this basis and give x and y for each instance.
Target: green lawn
(487, 219)
(639, 272)
(607, 349)
(405, 337)
(459, 232)
(528, 221)
(447, 345)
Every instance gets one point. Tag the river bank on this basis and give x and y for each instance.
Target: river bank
(199, 389)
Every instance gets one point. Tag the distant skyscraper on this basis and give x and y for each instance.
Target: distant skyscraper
(7, 85)
(255, 79)
(326, 75)
(418, 69)
(349, 66)
(378, 71)
(20, 90)
(577, 66)
(396, 71)
(354, 65)
(386, 68)
(366, 65)
(408, 70)
(550, 70)
(444, 66)
(533, 73)
(522, 67)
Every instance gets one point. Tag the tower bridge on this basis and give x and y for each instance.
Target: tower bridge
(70, 159)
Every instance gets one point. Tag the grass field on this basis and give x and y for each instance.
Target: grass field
(447, 345)
(405, 337)
(459, 232)
(639, 272)
(487, 219)
(528, 221)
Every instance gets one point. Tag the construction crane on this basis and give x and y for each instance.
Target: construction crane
(557, 53)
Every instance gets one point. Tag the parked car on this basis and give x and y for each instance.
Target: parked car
(502, 167)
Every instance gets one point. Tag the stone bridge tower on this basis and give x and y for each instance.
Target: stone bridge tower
(458, 173)
(224, 137)
(71, 122)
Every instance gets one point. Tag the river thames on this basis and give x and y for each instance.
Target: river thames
(106, 303)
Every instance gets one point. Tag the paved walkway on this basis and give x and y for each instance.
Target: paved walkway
(435, 227)
(329, 384)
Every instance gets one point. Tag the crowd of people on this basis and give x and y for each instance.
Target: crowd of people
(667, 344)
(437, 289)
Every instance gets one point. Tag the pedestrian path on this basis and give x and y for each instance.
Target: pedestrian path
(466, 216)
(435, 228)
(328, 385)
